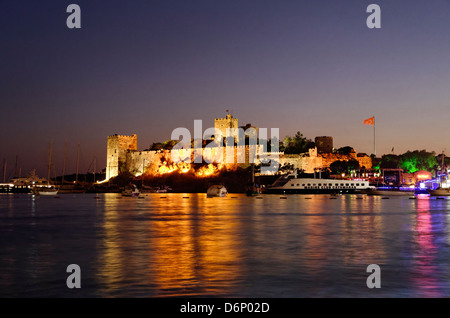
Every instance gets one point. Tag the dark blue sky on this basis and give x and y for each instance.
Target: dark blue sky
(147, 67)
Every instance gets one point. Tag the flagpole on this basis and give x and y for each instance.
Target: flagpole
(374, 144)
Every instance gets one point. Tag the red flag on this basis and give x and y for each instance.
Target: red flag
(369, 121)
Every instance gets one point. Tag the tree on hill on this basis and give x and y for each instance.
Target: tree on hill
(416, 160)
(297, 144)
(410, 161)
(155, 146)
(344, 150)
(342, 166)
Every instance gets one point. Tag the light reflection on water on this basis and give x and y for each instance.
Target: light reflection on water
(189, 245)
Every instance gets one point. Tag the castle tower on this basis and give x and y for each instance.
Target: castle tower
(228, 122)
(324, 144)
(116, 150)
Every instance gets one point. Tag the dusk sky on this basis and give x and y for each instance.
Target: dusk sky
(148, 67)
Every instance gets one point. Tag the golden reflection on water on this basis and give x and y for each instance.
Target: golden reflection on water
(183, 244)
(188, 245)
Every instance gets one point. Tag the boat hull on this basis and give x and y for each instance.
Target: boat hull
(439, 192)
(44, 192)
(311, 191)
(217, 191)
(390, 193)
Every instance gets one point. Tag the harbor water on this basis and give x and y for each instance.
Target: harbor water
(188, 245)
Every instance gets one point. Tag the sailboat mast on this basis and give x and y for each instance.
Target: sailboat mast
(442, 168)
(4, 170)
(95, 166)
(15, 167)
(49, 162)
(64, 161)
(78, 161)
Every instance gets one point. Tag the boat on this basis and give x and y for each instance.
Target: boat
(253, 189)
(131, 191)
(440, 192)
(444, 187)
(48, 189)
(292, 184)
(162, 189)
(72, 188)
(387, 191)
(217, 190)
(45, 190)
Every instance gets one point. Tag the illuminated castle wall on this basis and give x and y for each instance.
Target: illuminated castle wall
(228, 122)
(122, 156)
(116, 152)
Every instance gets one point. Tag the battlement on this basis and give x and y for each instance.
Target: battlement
(228, 117)
(122, 136)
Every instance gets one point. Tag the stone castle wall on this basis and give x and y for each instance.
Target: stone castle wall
(116, 152)
(223, 123)
(122, 155)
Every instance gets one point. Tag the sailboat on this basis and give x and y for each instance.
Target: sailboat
(48, 189)
(72, 187)
(252, 188)
(442, 190)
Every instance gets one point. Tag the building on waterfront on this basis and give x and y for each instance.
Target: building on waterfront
(314, 160)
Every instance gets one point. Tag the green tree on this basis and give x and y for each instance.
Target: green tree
(416, 160)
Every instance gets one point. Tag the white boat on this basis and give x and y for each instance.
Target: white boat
(291, 184)
(217, 191)
(444, 186)
(46, 190)
(131, 191)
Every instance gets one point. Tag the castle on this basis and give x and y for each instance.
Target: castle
(123, 156)
(228, 122)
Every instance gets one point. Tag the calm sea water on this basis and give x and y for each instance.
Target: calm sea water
(189, 245)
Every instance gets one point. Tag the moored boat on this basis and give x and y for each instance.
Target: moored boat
(131, 191)
(291, 184)
(46, 190)
(440, 192)
(444, 185)
(217, 190)
(391, 192)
